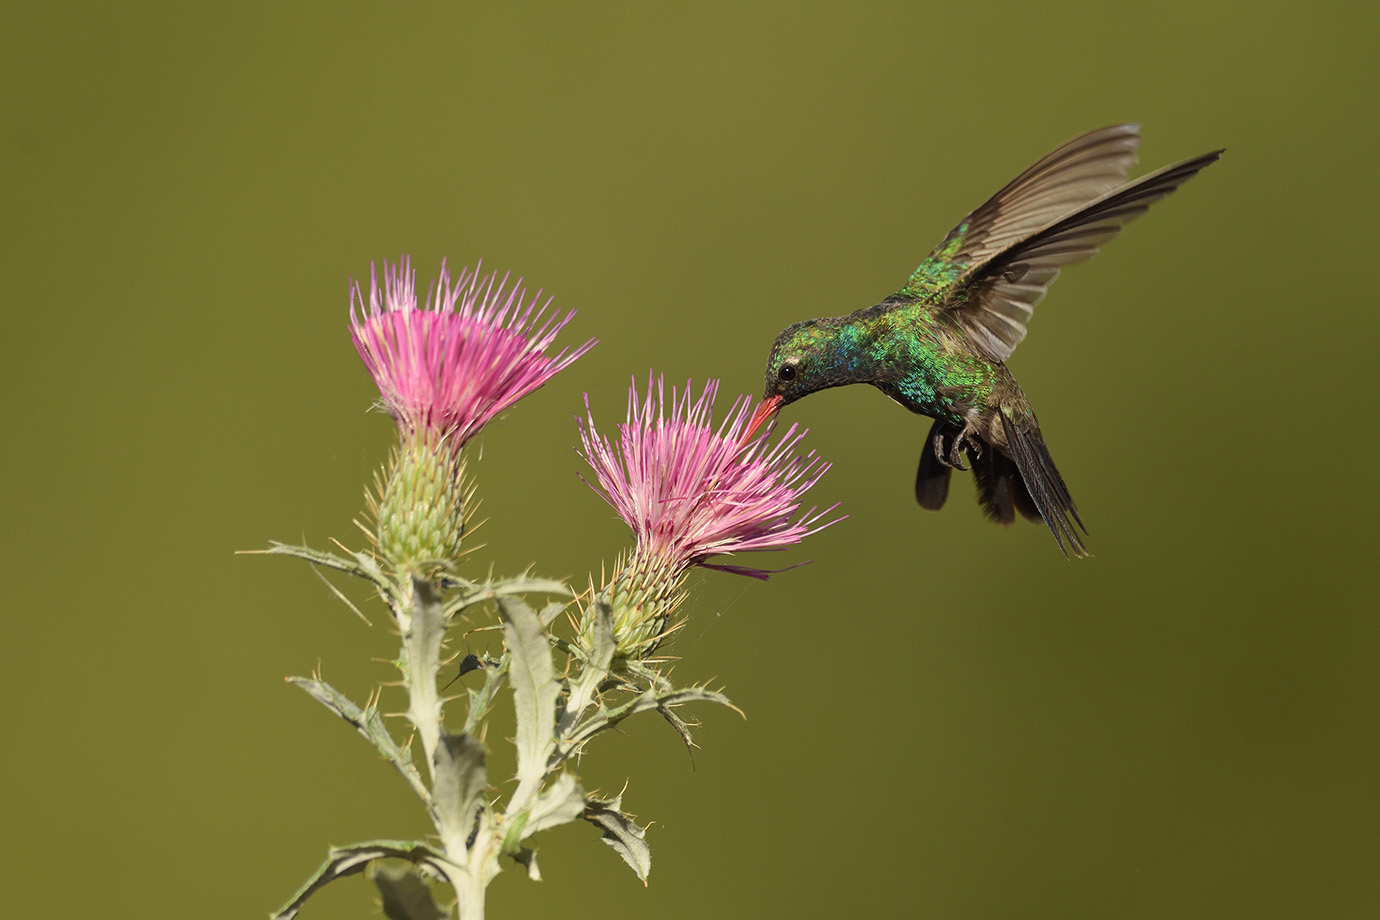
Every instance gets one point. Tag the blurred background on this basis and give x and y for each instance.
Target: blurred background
(944, 718)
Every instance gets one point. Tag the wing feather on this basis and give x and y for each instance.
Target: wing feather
(1066, 178)
(1002, 292)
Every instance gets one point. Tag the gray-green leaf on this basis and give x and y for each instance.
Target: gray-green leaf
(605, 719)
(509, 587)
(535, 688)
(481, 699)
(551, 611)
(404, 893)
(369, 723)
(622, 833)
(343, 861)
(361, 565)
(458, 792)
(560, 804)
(527, 858)
(602, 645)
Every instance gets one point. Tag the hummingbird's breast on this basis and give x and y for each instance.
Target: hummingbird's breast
(928, 368)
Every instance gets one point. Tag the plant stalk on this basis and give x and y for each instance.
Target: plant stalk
(421, 619)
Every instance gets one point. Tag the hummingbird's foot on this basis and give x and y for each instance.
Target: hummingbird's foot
(944, 454)
(952, 455)
(956, 455)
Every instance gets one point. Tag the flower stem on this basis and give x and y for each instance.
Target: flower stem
(471, 896)
(421, 619)
(472, 887)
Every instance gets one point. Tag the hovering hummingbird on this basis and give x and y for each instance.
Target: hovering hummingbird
(938, 346)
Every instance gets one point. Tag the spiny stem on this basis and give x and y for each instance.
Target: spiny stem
(421, 619)
(472, 886)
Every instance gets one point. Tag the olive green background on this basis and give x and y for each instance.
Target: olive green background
(944, 718)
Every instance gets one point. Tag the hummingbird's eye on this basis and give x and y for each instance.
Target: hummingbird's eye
(787, 372)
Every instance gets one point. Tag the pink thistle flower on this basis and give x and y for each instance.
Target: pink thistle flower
(471, 350)
(690, 491)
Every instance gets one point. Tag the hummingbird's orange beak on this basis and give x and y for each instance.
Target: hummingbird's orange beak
(765, 411)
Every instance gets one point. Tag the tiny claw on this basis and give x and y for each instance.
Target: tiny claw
(939, 448)
(950, 456)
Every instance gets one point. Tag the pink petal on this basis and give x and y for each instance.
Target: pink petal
(690, 491)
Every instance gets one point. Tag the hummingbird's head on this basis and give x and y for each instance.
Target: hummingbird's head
(797, 365)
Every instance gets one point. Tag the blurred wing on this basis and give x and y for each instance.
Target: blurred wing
(1067, 178)
(1001, 293)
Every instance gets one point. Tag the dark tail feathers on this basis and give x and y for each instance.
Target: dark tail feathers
(1026, 482)
(1045, 485)
(932, 479)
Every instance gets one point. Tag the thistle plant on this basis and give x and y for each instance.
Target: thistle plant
(576, 663)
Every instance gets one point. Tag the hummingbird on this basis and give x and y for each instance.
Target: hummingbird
(939, 345)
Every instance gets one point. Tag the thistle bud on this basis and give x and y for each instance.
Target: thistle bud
(420, 510)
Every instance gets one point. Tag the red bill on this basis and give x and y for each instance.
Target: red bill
(765, 411)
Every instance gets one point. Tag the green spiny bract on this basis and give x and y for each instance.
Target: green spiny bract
(420, 507)
(643, 595)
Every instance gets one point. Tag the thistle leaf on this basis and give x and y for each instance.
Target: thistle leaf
(551, 611)
(509, 587)
(369, 723)
(622, 833)
(602, 646)
(458, 791)
(605, 719)
(682, 728)
(482, 699)
(343, 861)
(535, 688)
(602, 642)
(360, 565)
(560, 804)
(404, 893)
(527, 858)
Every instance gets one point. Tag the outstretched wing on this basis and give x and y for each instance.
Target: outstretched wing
(1000, 294)
(1065, 179)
